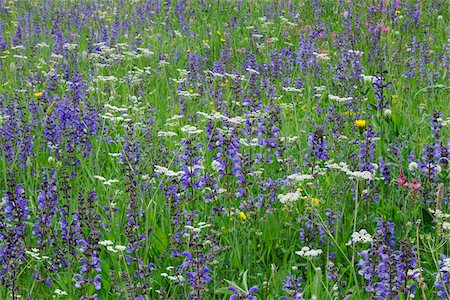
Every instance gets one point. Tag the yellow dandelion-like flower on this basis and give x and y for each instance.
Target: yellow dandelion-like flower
(223, 40)
(242, 216)
(360, 123)
(38, 94)
(218, 32)
(315, 201)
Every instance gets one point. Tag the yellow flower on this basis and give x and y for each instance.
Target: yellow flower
(38, 94)
(304, 108)
(188, 50)
(223, 40)
(191, 91)
(315, 201)
(397, 12)
(242, 216)
(360, 123)
(218, 32)
(394, 97)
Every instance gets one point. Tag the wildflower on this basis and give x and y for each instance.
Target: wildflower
(243, 295)
(300, 177)
(315, 201)
(222, 40)
(289, 197)
(307, 252)
(38, 94)
(340, 99)
(361, 236)
(242, 216)
(414, 185)
(360, 123)
(120, 248)
(60, 292)
(106, 243)
(402, 179)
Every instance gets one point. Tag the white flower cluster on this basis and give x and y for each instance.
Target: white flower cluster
(167, 172)
(166, 134)
(35, 254)
(106, 182)
(110, 246)
(439, 214)
(176, 277)
(340, 99)
(342, 166)
(323, 56)
(3, 118)
(199, 227)
(292, 89)
(189, 129)
(117, 114)
(358, 237)
(188, 94)
(368, 79)
(308, 252)
(60, 292)
(289, 197)
(300, 177)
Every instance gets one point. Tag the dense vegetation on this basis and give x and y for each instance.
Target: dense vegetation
(210, 149)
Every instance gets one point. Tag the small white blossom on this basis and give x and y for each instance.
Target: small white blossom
(60, 292)
(289, 197)
(106, 243)
(300, 177)
(111, 249)
(120, 248)
(340, 99)
(189, 129)
(167, 172)
(307, 252)
(361, 236)
(166, 134)
(413, 166)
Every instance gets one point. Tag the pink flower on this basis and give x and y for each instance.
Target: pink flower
(402, 179)
(415, 185)
(383, 28)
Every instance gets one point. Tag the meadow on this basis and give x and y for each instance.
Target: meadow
(213, 149)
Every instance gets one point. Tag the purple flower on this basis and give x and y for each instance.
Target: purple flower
(97, 281)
